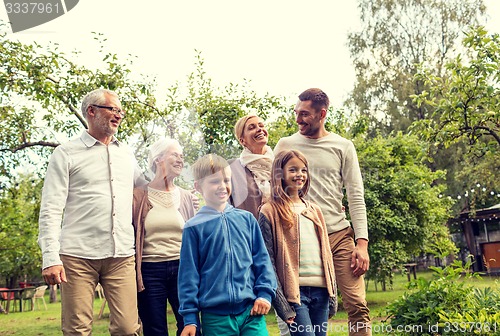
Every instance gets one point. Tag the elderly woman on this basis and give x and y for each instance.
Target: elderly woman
(160, 210)
(251, 172)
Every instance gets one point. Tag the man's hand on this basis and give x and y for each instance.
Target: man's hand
(54, 275)
(189, 330)
(360, 260)
(260, 307)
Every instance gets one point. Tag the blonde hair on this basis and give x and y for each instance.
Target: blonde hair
(208, 165)
(239, 127)
(280, 201)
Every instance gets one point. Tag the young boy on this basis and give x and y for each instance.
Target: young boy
(225, 272)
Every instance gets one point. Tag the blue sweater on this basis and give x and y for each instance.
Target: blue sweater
(224, 264)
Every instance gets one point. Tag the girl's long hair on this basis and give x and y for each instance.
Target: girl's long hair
(280, 201)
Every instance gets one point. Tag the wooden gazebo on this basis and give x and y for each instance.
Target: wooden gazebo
(482, 236)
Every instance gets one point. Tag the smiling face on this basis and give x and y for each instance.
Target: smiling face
(295, 177)
(103, 124)
(215, 188)
(254, 136)
(170, 162)
(309, 120)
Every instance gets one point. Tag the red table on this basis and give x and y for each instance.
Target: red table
(8, 294)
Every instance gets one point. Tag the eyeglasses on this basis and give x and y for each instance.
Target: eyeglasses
(114, 110)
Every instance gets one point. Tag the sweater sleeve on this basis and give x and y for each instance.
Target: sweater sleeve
(280, 303)
(353, 183)
(189, 277)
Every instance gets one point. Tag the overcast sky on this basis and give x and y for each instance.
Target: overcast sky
(282, 46)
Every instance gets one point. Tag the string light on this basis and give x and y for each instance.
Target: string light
(472, 191)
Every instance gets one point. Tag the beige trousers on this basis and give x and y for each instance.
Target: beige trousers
(351, 287)
(117, 277)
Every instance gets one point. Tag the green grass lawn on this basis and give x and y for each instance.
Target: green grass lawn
(47, 322)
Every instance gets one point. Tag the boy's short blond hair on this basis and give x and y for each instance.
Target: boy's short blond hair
(208, 165)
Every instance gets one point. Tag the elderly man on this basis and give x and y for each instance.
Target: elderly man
(333, 165)
(86, 235)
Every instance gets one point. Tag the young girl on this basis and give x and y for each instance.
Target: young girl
(297, 241)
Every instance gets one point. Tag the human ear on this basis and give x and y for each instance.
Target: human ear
(197, 186)
(90, 110)
(323, 113)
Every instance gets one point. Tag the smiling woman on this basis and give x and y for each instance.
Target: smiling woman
(251, 172)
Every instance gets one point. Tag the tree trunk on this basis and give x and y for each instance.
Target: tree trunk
(53, 293)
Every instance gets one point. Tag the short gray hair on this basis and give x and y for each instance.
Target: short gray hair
(157, 149)
(96, 97)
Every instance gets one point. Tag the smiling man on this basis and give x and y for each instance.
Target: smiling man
(86, 235)
(333, 165)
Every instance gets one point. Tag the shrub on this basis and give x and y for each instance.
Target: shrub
(480, 317)
(445, 305)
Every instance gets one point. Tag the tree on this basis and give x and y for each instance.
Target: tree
(402, 199)
(19, 208)
(466, 109)
(397, 35)
(466, 100)
(208, 113)
(41, 89)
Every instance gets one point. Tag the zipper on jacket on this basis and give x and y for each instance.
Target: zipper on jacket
(230, 259)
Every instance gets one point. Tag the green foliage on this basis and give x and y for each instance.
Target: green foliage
(41, 88)
(19, 208)
(395, 36)
(40, 92)
(440, 245)
(483, 171)
(283, 126)
(402, 200)
(480, 317)
(445, 299)
(204, 115)
(466, 107)
(466, 99)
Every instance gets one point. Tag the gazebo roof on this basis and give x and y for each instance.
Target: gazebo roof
(492, 211)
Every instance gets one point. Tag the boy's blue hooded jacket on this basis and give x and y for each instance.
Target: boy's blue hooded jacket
(224, 264)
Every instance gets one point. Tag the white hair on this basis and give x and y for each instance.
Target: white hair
(96, 97)
(158, 148)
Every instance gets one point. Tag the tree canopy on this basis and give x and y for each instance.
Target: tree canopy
(405, 210)
(19, 207)
(465, 102)
(396, 36)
